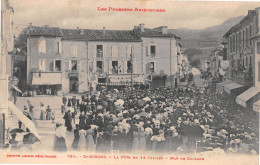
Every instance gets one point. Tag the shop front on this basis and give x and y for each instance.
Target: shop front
(46, 83)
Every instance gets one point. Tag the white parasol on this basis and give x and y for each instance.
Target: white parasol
(119, 102)
(146, 99)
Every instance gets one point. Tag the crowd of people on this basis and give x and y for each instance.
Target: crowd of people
(158, 120)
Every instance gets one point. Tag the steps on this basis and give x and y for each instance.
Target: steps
(55, 102)
(46, 127)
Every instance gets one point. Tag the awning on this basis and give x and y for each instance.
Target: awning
(256, 106)
(17, 89)
(231, 86)
(247, 95)
(27, 122)
(46, 78)
(220, 86)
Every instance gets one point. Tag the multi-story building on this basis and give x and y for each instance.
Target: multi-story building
(74, 60)
(160, 55)
(244, 62)
(7, 40)
(8, 35)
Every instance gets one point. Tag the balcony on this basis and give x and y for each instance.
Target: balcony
(46, 78)
(243, 78)
(100, 71)
(100, 54)
(73, 73)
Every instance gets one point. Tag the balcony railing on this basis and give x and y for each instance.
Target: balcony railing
(73, 73)
(244, 78)
(99, 54)
(100, 71)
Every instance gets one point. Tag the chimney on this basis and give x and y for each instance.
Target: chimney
(136, 27)
(81, 32)
(164, 30)
(104, 30)
(142, 27)
(30, 26)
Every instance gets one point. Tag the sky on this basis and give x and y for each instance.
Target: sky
(85, 14)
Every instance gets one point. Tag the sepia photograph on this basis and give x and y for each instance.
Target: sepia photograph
(129, 82)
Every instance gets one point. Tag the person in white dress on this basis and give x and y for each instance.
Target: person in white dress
(82, 140)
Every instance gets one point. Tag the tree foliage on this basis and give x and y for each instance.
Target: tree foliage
(21, 41)
(195, 63)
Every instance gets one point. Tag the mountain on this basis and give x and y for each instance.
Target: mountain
(208, 37)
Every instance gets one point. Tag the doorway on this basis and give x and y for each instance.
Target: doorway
(74, 84)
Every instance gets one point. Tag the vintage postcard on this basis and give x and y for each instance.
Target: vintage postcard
(129, 82)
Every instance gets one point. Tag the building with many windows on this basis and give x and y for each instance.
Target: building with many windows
(241, 43)
(74, 60)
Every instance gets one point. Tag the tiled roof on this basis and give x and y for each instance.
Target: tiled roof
(156, 32)
(88, 34)
(45, 31)
(97, 35)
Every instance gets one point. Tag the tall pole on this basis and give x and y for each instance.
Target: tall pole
(132, 67)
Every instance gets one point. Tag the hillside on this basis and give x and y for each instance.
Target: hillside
(208, 37)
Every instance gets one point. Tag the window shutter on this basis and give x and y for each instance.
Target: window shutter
(69, 64)
(39, 46)
(148, 65)
(94, 50)
(121, 67)
(148, 53)
(60, 51)
(113, 51)
(104, 51)
(76, 50)
(79, 66)
(154, 66)
(134, 66)
(72, 51)
(54, 66)
(110, 67)
(43, 64)
(104, 63)
(125, 67)
(43, 46)
(40, 64)
(156, 50)
(117, 50)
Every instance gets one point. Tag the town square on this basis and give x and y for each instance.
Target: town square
(139, 88)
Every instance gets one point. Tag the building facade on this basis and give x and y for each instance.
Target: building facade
(75, 60)
(161, 55)
(8, 35)
(241, 46)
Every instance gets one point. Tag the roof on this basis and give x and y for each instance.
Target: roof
(156, 32)
(45, 31)
(97, 35)
(240, 24)
(84, 34)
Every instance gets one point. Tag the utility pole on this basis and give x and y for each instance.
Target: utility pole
(132, 68)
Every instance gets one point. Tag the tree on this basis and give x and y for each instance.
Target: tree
(190, 52)
(21, 41)
(195, 63)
